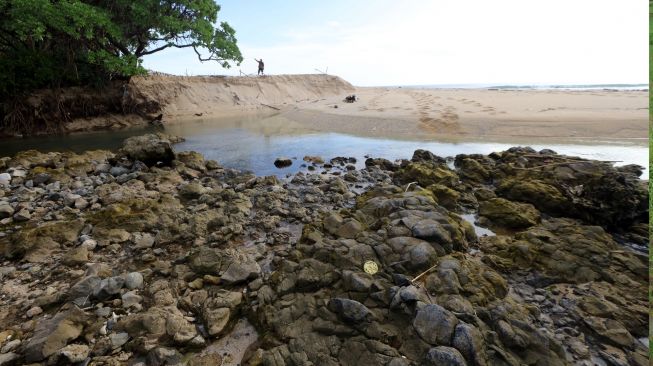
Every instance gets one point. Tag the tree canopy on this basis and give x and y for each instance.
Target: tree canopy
(49, 43)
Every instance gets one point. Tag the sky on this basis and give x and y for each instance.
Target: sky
(413, 42)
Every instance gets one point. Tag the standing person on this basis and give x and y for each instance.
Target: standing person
(261, 66)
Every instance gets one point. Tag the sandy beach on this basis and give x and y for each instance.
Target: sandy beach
(481, 114)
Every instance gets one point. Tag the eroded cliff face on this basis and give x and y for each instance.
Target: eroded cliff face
(141, 100)
(159, 257)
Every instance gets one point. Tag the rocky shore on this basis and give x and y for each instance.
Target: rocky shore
(149, 256)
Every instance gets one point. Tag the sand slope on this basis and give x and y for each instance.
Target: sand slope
(187, 96)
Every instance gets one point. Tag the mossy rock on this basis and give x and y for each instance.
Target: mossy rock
(78, 165)
(472, 170)
(192, 159)
(509, 214)
(33, 158)
(56, 174)
(137, 215)
(25, 240)
(426, 174)
(445, 196)
(543, 196)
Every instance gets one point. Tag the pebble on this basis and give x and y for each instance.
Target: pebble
(5, 178)
(134, 280)
(90, 244)
(22, 215)
(118, 339)
(34, 312)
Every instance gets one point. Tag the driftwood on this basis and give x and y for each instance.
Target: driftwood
(423, 273)
(269, 106)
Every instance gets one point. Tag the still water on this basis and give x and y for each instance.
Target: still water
(254, 144)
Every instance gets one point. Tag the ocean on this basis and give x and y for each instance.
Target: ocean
(643, 87)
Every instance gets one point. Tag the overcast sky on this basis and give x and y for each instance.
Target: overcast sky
(383, 42)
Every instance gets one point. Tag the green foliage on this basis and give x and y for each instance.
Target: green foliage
(51, 43)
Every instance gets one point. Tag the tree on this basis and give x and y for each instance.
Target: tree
(150, 26)
(45, 43)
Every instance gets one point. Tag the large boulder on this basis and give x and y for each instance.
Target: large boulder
(150, 149)
(536, 192)
(435, 325)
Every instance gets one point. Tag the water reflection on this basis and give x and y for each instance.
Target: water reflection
(254, 142)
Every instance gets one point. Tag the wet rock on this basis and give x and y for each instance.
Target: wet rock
(430, 230)
(383, 164)
(150, 149)
(425, 156)
(355, 281)
(468, 340)
(282, 162)
(435, 325)
(53, 334)
(350, 311)
(444, 356)
(509, 214)
(313, 159)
